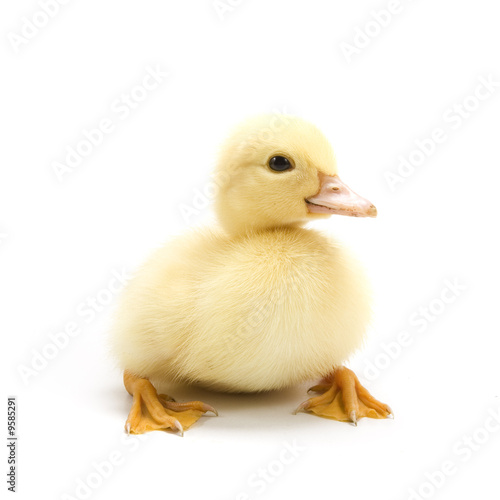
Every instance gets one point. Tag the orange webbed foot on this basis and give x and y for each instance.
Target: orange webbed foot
(343, 398)
(151, 411)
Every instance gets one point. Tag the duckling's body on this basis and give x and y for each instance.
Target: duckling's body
(261, 311)
(258, 302)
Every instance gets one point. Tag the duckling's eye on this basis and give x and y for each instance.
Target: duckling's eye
(279, 164)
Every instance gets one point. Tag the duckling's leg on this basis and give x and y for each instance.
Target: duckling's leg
(344, 399)
(151, 411)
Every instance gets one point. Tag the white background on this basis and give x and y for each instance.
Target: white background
(61, 241)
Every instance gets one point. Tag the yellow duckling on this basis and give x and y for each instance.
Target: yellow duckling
(260, 302)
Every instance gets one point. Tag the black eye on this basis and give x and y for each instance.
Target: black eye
(279, 163)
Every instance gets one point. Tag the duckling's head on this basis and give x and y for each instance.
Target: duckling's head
(280, 170)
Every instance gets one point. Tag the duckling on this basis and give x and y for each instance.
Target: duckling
(258, 302)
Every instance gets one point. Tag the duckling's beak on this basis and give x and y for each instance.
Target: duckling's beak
(335, 197)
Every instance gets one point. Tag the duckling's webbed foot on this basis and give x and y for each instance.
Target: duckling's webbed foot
(344, 398)
(151, 411)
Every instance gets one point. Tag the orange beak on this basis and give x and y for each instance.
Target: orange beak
(335, 197)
